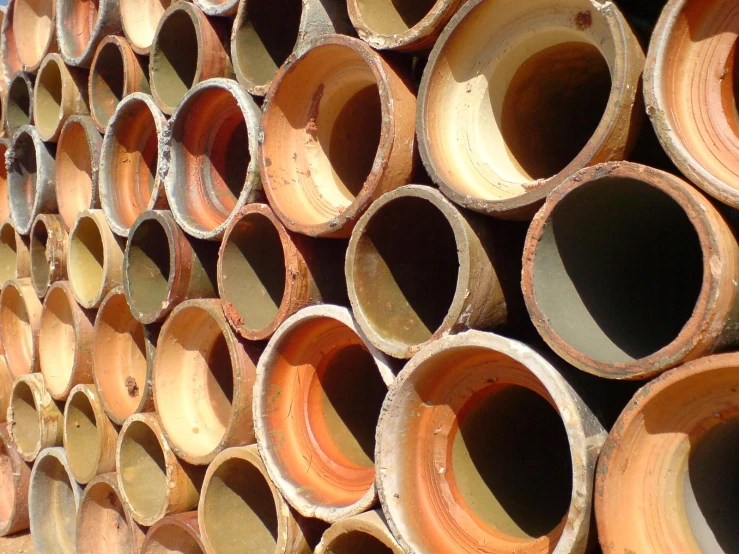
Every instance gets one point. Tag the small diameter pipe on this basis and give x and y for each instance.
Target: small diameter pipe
(104, 523)
(485, 443)
(20, 319)
(81, 25)
(30, 166)
(518, 96)
(205, 401)
(34, 420)
(4, 192)
(18, 105)
(151, 480)
(77, 168)
(209, 157)
(317, 399)
(163, 267)
(338, 132)
(48, 252)
(53, 504)
(266, 32)
(129, 176)
(366, 533)
(6, 388)
(15, 478)
(174, 535)
(15, 254)
(10, 62)
(123, 359)
(115, 73)
(94, 259)
(188, 48)
(60, 91)
(34, 32)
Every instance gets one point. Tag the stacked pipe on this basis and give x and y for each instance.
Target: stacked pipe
(341, 276)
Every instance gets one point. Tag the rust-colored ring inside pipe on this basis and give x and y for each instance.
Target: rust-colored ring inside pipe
(15, 254)
(123, 359)
(173, 535)
(34, 31)
(18, 105)
(365, 533)
(4, 191)
(48, 252)
(338, 129)
(10, 61)
(629, 271)
(59, 92)
(20, 318)
(667, 479)
(81, 25)
(320, 387)
(15, 476)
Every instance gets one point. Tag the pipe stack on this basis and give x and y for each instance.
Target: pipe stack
(370, 277)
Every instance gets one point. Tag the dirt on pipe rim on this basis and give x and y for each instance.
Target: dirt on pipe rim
(48, 249)
(495, 139)
(365, 533)
(81, 25)
(337, 132)
(10, 62)
(324, 467)
(16, 477)
(33, 31)
(18, 109)
(174, 534)
(675, 323)
(20, 318)
(15, 255)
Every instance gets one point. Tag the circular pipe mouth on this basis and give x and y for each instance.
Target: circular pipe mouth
(140, 19)
(358, 542)
(48, 96)
(26, 418)
(18, 107)
(14, 254)
(108, 80)
(174, 534)
(19, 320)
(58, 338)
(103, 523)
(40, 273)
(83, 435)
(23, 172)
(33, 31)
(87, 263)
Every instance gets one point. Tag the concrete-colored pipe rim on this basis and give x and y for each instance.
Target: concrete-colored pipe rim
(338, 89)
(76, 37)
(77, 168)
(123, 359)
(419, 431)
(140, 19)
(15, 254)
(223, 8)
(471, 113)
(10, 61)
(48, 251)
(30, 166)
(287, 403)
(53, 524)
(365, 533)
(172, 534)
(5, 145)
(208, 166)
(706, 246)
(18, 109)
(668, 465)
(20, 319)
(15, 480)
(6, 387)
(34, 420)
(34, 33)
(104, 523)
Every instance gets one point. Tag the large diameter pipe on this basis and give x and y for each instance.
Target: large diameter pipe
(691, 91)
(365, 533)
(518, 96)
(48, 252)
(338, 132)
(667, 478)
(205, 401)
(10, 62)
(629, 271)
(15, 254)
(4, 192)
(53, 503)
(81, 25)
(20, 319)
(163, 267)
(174, 535)
(34, 31)
(16, 476)
(209, 157)
(18, 105)
(482, 442)
(317, 399)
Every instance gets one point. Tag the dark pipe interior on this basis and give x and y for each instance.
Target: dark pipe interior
(48, 96)
(26, 422)
(108, 80)
(357, 542)
(391, 17)
(24, 166)
(39, 264)
(18, 110)
(175, 64)
(220, 383)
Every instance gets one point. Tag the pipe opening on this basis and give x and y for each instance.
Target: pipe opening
(172, 539)
(18, 108)
(107, 82)
(174, 62)
(87, 259)
(24, 166)
(239, 503)
(82, 444)
(148, 266)
(266, 38)
(39, 264)
(54, 505)
(80, 18)
(102, 523)
(143, 469)
(48, 98)
(253, 269)
(229, 159)
(8, 254)
(140, 19)
(405, 242)
(33, 27)
(392, 17)
(358, 542)
(57, 340)
(73, 172)
(7, 486)
(16, 329)
(618, 270)
(712, 489)
(26, 420)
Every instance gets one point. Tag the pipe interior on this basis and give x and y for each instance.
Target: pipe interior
(103, 526)
(358, 542)
(16, 330)
(148, 266)
(8, 253)
(57, 340)
(18, 108)
(73, 172)
(4, 192)
(392, 17)
(48, 98)
(55, 510)
(83, 443)
(7, 485)
(33, 27)
(39, 264)
(80, 19)
(140, 19)
(266, 38)
(107, 82)
(143, 470)
(405, 242)
(619, 270)
(25, 170)
(26, 419)
(253, 271)
(87, 259)
(172, 539)
(239, 503)
(174, 58)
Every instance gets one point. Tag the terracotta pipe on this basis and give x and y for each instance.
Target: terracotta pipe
(34, 32)
(30, 166)
(34, 420)
(64, 341)
(129, 175)
(4, 192)
(15, 255)
(140, 19)
(208, 161)
(3, 132)
(104, 524)
(239, 506)
(10, 62)
(152, 481)
(204, 401)
(81, 26)
(16, 476)
(6, 387)
(173, 535)
(77, 168)
(501, 126)
(94, 259)
(53, 522)
(20, 318)
(123, 359)
(267, 273)
(404, 26)
(486, 443)
(188, 48)
(338, 132)
(366, 533)
(163, 267)
(266, 32)
(18, 110)
(48, 252)
(650, 287)
(691, 91)
(317, 398)
(116, 72)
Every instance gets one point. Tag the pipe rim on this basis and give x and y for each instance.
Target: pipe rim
(106, 10)
(23, 80)
(5, 145)
(371, 523)
(50, 261)
(127, 24)
(29, 320)
(182, 523)
(216, 8)
(30, 63)
(93, 400)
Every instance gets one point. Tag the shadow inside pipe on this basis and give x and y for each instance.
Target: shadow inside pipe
(107, 82)
(391, 17)
(49, 97)
(24, 165)
(39, 264)
(229, 157)
(81, 429)
(175, 65)
(18, 109)
(143, 469)
(26, 423)
(87, 259)
(8, 253)
(358, 542)
(148, 266)
(220, 383)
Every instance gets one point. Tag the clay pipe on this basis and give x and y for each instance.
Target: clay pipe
(20, 319)
(33, 31)
(18, 105)
(14, 490)
(48, 252)
(15, 254)
(81, 26)
(174, 534)
(361, 534)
